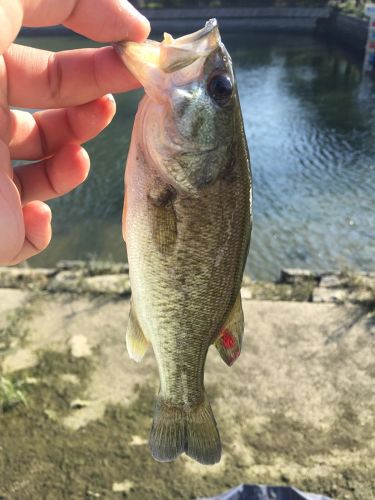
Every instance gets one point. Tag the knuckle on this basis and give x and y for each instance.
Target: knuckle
(5, 123)
(55, 78)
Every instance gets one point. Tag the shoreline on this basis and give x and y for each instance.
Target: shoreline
(96, 278)
(295, 410)
(326, 22)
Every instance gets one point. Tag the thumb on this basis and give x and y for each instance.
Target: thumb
(12, 229)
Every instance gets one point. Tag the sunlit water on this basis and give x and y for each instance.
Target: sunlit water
(310, 123)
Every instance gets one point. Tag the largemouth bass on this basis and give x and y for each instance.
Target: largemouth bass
(187, 224)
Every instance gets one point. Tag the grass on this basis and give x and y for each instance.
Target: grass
(351, 6)
(366, 288)
(10, 394)
(15, 328)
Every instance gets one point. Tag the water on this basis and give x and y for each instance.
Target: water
(310, 123)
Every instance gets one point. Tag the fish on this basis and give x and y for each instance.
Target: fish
(186, 222)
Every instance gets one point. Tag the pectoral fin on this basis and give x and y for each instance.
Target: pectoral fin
(136, 342)
(229, 341)
(163, 216)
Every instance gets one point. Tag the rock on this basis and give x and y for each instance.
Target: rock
(79, 346)
(71, 265)
(67, 281)
(98, 267)
(93, 267)
(332, 281)
(70, 378)
(18, 277)
(246, 293)
(293, 276)
(246, 280)
(336, 295)
(93, 494)
(51, 414)
(19, 360)
(117, 284)
(31, 381)
(123, 487)
(138, 441)
(362, 296)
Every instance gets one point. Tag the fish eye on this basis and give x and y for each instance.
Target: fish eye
(220, 88)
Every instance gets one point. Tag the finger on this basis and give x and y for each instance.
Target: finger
(107, 20)
(10, 22)
(11, 220)
(43, 79)
(53, 177)
(102, 20)
(34, 135)
(37, 222)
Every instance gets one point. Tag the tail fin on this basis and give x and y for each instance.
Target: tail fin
(176, 430)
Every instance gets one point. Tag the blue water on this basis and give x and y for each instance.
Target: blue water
(310, 122)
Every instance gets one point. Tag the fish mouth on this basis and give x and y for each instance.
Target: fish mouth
(148, 61)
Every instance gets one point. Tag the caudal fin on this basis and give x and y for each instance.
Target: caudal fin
(176, 430)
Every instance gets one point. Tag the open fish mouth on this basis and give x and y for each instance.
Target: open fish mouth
(145, 60)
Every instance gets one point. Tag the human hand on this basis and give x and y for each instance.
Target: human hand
(71, 83)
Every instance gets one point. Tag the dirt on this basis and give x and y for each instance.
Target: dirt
(296, 409)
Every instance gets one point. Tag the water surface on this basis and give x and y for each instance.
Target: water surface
(310, 123)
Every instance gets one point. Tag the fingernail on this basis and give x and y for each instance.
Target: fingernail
(109, 98)
(49, 212)
(133, 13)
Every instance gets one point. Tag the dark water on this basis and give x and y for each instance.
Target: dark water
(310, 123)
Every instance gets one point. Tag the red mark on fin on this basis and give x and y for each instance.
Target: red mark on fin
(233, 357)
(227, 339)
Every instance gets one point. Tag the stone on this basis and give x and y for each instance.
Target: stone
(293, 276)
(362, 296)
(71, 265)
(246, 293)
(51, 414)
(117, 284)
(79, 346)
(66, 281)
(246, 280)
(70, 378)
(123, 487)
(138, 441)
(93, 267)
(18, 277)
(98, 267)
(31, 381)
(93, 494)
(332, 281)
(19, 360)
(335, 295)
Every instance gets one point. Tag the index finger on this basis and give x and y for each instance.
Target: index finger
(102, 20)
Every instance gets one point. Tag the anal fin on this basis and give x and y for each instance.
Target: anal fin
(136, 342)
(229, 341)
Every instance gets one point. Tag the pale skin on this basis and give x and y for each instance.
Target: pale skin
(73, 89)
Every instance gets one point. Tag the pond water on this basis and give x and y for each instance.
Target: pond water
(310, 122)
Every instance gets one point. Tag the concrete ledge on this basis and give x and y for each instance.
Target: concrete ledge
(238, 13)
(348, 30)
(93, 278)
(279, 19)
